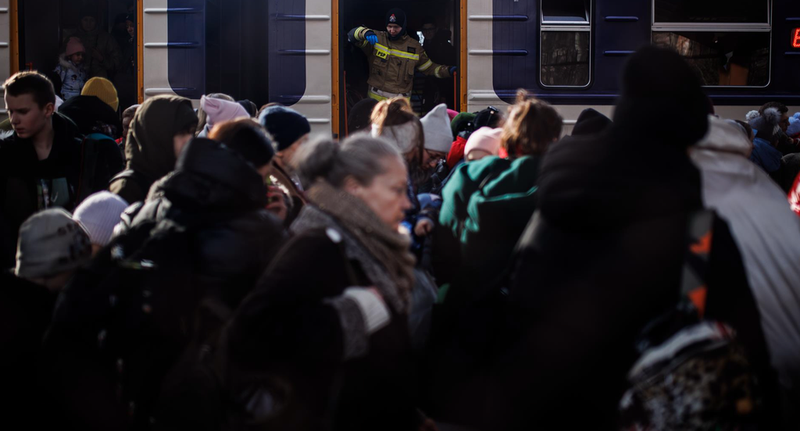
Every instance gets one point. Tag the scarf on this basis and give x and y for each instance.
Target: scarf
(388, 249)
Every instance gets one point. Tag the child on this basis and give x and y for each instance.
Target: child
(70, 69)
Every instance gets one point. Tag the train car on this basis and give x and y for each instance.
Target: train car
(568, 52)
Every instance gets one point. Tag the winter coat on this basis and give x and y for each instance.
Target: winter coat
(392, 64)
(767, 233)
(25, 311)
(299, 328)
(92, 115)
(766, 156)
(486, 205)
(605, 259)
(149, 149)
(106, 45)
(72, 77)
(28, 185)
(222, 198)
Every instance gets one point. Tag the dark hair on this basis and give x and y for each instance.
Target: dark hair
(247, 137)
(531, 126)
(33, 83)
(777, 105)
(333, 162)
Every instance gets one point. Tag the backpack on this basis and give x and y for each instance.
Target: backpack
(692, 373)
(101, 160)
(129, 314)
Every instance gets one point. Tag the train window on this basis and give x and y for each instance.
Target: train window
(723, 58)
(565, 58)
(565, 11)
(564, 43)
(711, 11)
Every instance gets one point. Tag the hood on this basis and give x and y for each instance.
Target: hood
(211, 177)
(724, 136)
(149, 149)
(91, 115)
(66, 64)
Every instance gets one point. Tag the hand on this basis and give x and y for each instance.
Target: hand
(371, 37)
(424, 227)
(277, 202)
(452, 70)
(96, 54)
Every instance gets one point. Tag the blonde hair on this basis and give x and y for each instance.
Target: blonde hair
(531, 126)
(396, 112)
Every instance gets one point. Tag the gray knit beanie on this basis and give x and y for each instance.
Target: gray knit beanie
(51, 242)
(98, 214)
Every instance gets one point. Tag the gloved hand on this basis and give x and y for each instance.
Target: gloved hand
(371, 37)
(452, 70)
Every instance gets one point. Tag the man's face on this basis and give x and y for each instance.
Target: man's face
(394, 29)
(428, 31)
(27, 118)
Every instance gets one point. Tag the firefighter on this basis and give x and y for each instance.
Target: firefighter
(394, 57)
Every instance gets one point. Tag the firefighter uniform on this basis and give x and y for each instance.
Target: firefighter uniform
(392, 63)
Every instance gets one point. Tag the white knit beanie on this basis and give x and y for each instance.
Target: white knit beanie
(438, 134)
(98, 214)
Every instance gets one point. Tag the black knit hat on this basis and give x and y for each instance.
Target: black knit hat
(285, 125)
(397, 16)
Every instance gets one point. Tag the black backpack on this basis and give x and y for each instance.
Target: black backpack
(129, 314)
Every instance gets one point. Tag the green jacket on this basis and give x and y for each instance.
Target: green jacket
(486, 206)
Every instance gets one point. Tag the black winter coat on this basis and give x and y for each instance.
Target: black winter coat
(288, 330)
(605, 260)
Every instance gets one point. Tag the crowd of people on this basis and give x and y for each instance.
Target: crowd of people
(210, 269)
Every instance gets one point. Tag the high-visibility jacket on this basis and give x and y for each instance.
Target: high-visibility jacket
(392, 63)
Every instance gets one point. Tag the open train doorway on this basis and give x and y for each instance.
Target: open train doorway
(105, 28)
(435, 23)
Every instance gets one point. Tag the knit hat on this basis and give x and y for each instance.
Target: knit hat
(249, 106)
(103, 89)
(590, 122)
(89, 10)
(452, 114)
(74, 46)
(98, 214)
(396, 16)
(463, 121)
(219, 110)
(767, 125)
(436, 126)
(404, 137)
(51, 242)
(485, 139)
(253, 144)
(285, 125)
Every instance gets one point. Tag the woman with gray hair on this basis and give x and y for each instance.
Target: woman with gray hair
(328, 320)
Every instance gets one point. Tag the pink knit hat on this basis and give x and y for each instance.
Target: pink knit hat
(486, 139)
(451, 114)
(220, 111)
(74, 46)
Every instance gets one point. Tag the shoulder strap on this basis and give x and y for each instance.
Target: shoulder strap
(695, 264)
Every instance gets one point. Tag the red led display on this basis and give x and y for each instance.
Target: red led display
(796, 38)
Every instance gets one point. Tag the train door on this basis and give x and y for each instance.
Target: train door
(276, 51)
(441, 20)
(8, 38)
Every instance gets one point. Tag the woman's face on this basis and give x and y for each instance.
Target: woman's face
(387, 194)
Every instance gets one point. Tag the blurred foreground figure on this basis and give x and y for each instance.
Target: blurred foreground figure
(605, 258)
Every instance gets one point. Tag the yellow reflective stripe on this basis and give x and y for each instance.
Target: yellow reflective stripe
(396, 53)
(425, 66)
(437, 72)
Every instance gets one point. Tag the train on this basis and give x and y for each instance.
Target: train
(567, 52)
